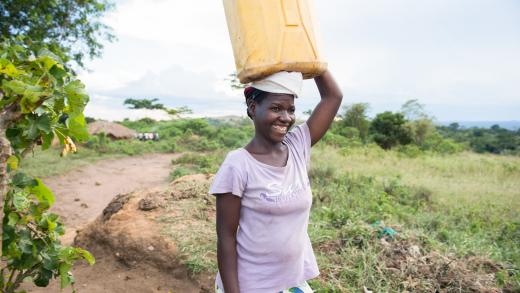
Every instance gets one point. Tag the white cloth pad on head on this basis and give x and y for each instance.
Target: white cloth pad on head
(282, 82)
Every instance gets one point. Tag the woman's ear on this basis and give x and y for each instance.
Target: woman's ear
(252, 109)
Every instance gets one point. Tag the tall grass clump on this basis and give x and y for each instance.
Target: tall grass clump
(195, 163)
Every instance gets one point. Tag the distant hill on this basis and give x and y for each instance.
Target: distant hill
(511, 125)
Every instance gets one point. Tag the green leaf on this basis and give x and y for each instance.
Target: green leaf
(51, 225)
(31, 97)
(86, 255)
(47, 140)
(49, 261)
(78, 127)
(43, 277)
(13, 219)
(60, 229)
(21, 180)
(47, 61)
(16, 86)
(7, 68)
(20, 201)
(42, 193)
(65, 277)
(12, 162)
(17, 138)
(8, 236)
(76, 97)
(58, 103)
(43, 123)
(47, 54)
(13, 133)
(48, 222)
(61, 132)
(14, 251)
(32, 131)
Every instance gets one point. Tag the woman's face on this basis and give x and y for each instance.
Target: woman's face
(274, 116)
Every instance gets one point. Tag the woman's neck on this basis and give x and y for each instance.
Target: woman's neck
(261, 145)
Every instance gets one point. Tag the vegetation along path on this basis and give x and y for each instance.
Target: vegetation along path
(82, 194)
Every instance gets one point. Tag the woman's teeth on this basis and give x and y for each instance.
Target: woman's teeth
(282, 129)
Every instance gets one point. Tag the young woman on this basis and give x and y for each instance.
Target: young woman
(263, 191)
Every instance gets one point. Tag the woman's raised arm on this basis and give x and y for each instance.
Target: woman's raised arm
(324, 113)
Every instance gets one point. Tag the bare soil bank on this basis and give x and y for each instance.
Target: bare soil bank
(83, 194)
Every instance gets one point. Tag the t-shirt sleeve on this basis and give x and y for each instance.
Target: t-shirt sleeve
(300, 138)
(228, 180)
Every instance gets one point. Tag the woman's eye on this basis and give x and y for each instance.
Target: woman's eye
(276, 109)
(292, 110)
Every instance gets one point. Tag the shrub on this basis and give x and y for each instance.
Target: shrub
(389, 130)
(448, 146)
(181, 171)
(232, 137)
(335, 139)
(410, 151)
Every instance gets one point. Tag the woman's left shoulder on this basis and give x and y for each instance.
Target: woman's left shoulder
(299, 135)
(299, 140)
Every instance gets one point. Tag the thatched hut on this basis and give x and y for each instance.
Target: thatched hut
(111, 129)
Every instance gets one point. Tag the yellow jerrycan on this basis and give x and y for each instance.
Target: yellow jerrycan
(269, 36)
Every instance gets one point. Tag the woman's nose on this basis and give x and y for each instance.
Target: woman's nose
(285, 116)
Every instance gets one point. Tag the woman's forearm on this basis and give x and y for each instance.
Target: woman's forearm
(328, 87)
(227, 263)
(324, 113)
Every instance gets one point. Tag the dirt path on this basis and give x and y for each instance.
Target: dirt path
(82, 194)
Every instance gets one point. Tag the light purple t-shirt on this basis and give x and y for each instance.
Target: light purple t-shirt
(274, 251)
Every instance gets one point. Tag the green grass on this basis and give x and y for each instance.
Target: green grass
(462, 204)
(194, 163)
(49, 163)
(189, 222)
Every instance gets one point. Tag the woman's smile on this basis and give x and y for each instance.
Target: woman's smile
(280, 129)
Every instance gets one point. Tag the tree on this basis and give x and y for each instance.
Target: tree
(40, 99)
(454, 126)
(152, 105)
(69, 28)
(234, 82)
(143, 104)
(421, 129)
(495, 128)
(413, 110)
(178, 111)
(389, 130)
(356, 116)
(420, 124)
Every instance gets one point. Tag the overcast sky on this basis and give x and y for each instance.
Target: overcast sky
(460, 58)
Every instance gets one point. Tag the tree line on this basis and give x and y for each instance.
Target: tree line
(496, 140)
(412, 127)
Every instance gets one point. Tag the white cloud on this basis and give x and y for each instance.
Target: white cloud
(446, 53)
(174, 81)
(194, 23)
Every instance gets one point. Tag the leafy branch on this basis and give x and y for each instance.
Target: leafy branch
(36, 91)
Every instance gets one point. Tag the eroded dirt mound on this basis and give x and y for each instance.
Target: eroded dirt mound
(143, 228)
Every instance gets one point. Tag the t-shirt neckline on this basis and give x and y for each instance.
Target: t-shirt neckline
(267, 165)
